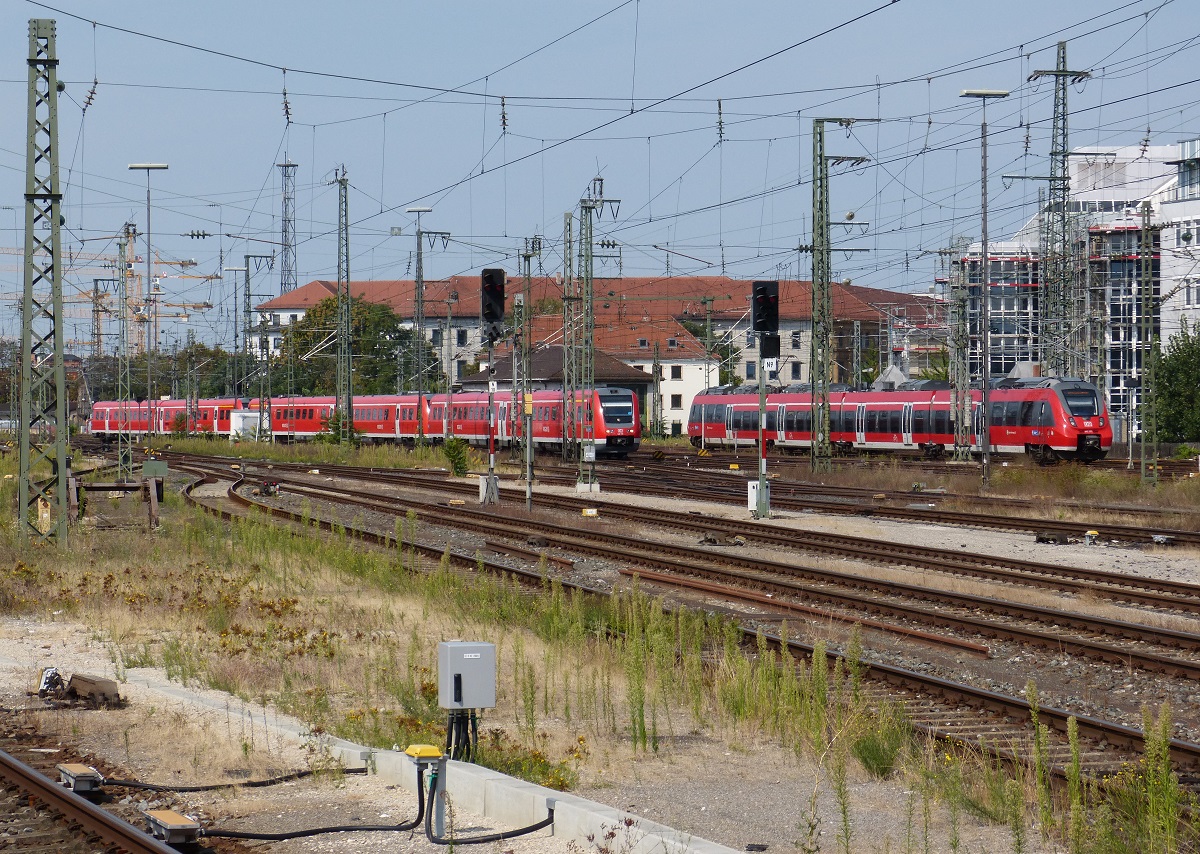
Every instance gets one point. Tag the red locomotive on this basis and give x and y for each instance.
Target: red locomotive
(609, 417)
(1048, 418)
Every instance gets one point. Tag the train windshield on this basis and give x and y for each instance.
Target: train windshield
(1082, 402)
(617, 411)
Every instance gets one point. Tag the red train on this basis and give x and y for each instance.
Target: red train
(610, 419)
(1048, 418)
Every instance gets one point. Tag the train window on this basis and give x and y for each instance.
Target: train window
(998, 414)
(1083, 402)
(872, 421)
(920, 419)
(697, 413)
(621, 411)
(1012, 413)
(894, 421)
(941, 421)
(772, 419)
(1028, 408)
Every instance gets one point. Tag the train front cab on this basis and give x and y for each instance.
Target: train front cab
(618, 422)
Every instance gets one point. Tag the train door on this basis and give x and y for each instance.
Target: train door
(730, 437)
(906, 424)
(977, 425)
(502, 433)
(860, 424)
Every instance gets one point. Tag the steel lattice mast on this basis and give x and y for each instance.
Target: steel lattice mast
(960, 370)
(345, 367)
(287, 255)
(821, 344)
(571, 334)
(43, 379)
(1060, 307)
(124, 435)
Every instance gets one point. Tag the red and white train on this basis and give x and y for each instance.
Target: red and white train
(1048, 418)
(610, 418)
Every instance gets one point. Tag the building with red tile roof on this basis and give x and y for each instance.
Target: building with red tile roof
(644, 321)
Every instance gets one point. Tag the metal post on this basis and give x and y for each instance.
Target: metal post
(345, 363)
(1146, 345)
(43, 379)
(124, 436)
(533, 247)
(419, 327)
(763, 505)
(491, 492)
(821, 449)
(287, 266)
(151, 343)
(985, 321)
(448, 421)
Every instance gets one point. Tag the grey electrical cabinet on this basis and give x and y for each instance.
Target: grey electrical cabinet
(466, 675)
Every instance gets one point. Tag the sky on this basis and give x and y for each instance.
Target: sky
(698, 116)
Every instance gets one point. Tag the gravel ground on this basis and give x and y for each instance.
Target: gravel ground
(733, 789)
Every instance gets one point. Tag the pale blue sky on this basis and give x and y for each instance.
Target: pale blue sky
(625, 90)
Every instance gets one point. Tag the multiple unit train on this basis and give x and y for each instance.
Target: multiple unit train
(610, 418)
(1047, 418)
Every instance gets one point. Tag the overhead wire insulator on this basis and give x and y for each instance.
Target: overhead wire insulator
(503, 116)
(287, 107)
(91, 95)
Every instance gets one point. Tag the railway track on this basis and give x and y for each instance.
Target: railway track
(43, 815)
(947, 708)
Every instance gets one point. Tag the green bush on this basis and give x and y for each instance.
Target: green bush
(457, 458)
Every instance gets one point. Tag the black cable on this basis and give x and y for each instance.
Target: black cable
(212, 787)
(344, 828)
(475, 840)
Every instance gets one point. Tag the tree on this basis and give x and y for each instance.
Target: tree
(379, 343)
(938, 367)
(1177, 392)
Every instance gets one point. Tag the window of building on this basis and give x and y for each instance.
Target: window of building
(274, 319)
(750, 340)
(796, 343)
(293, 318)
(462, 338)
(643, 343)
(676, 372)
(795, 370)
(677, 401)
(459, 367)
(436, 338)
(672, 343)
(750, 370)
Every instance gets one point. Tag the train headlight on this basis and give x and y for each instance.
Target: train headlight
(1071, 420)
(1102, 422)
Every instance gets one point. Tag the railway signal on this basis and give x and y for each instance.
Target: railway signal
(764, 305)
(492, 304)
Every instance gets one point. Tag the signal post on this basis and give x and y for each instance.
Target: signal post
(764, 321)
(492, 313)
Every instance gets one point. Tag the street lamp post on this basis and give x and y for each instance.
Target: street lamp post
(148, 168)
(985, 321)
